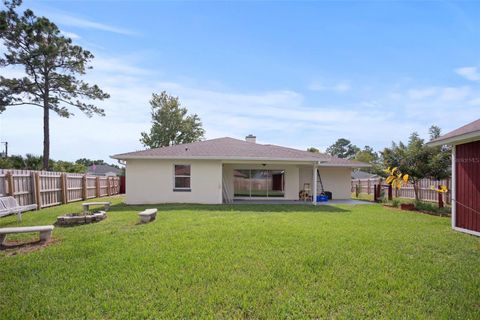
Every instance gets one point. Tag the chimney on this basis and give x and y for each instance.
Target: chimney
(251, 138)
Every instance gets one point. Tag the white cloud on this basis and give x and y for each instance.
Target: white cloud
(70, 35)
(283, 117)
(118, 66)
(338, 87)
(454, 93)
(474, 102)
(69, 20)
(439, 93)
(417, 94)
(470, 73)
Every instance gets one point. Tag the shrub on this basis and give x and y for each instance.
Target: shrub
(395, 203)
(431, 207)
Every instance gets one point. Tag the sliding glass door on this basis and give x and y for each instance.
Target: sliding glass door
(259, 183)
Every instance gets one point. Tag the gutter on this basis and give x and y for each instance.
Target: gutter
(460, 139)
(320, 163)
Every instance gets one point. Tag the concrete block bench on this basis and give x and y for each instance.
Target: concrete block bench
(86, 205)
(147, 215)
(45, 232)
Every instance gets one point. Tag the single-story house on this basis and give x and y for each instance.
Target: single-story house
(104, 170)
(359, 174)
(224, 169)
(465, 142)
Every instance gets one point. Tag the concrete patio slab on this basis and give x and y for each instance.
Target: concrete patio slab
(331, 202)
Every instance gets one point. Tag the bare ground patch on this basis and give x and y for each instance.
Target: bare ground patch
(14, 247)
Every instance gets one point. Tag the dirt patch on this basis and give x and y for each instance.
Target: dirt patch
(14, 247)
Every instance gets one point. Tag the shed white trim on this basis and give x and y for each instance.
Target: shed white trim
(460, 139)
(474, 233)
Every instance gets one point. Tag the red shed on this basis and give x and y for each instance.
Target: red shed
(465, 142)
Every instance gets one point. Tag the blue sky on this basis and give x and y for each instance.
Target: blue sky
(298, 74)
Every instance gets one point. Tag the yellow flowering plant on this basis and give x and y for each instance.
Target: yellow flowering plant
(395, 178)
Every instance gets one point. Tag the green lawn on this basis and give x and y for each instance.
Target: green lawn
(244, 261)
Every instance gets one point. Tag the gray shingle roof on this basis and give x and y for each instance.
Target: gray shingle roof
(358, 174)
(473, 128)
(103, 169)
(234, 149)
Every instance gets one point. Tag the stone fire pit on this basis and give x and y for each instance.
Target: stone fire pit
(75, 219)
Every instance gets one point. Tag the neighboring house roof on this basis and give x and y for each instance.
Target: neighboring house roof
(234, 149)
(101, 169)
(467, 133)
(359, 174)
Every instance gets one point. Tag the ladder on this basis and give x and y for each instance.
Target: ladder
(322, 190)
(226, 192)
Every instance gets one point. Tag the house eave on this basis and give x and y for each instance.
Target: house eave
(317, 162)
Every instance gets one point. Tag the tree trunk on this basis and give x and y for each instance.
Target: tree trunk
(415, 190)
(46, 134)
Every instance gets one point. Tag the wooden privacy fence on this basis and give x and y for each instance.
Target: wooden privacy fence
(46, 189)
(424, 188)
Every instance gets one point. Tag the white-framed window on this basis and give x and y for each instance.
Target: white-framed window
(181, 177)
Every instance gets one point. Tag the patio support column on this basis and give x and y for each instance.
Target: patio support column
(314, 189)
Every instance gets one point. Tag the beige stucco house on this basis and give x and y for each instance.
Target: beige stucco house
(225, 169)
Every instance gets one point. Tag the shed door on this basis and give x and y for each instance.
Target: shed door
(468, 186)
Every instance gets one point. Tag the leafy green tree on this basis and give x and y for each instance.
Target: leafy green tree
(434, 132)
(313, 149)
(51, 64)
(418, 160)
(89, 162)
(66, 166)
(370, 156)
(367, 155)
(33, 162)
(16, 162)
(5, 163)
(343, 148)
(441, 161)
(170, 123)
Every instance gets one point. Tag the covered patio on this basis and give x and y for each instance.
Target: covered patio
(283, 182)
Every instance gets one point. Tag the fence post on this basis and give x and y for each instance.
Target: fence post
(440, 198)
(37, 191)
(65, 181)
(9, 179)
(108, 186)
(62, 188)
(368, 186)
(97, 186)
(34, 188)
(84, 187)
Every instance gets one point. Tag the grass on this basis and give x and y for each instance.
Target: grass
(244, 261)
(363, 196)
(431, 207)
